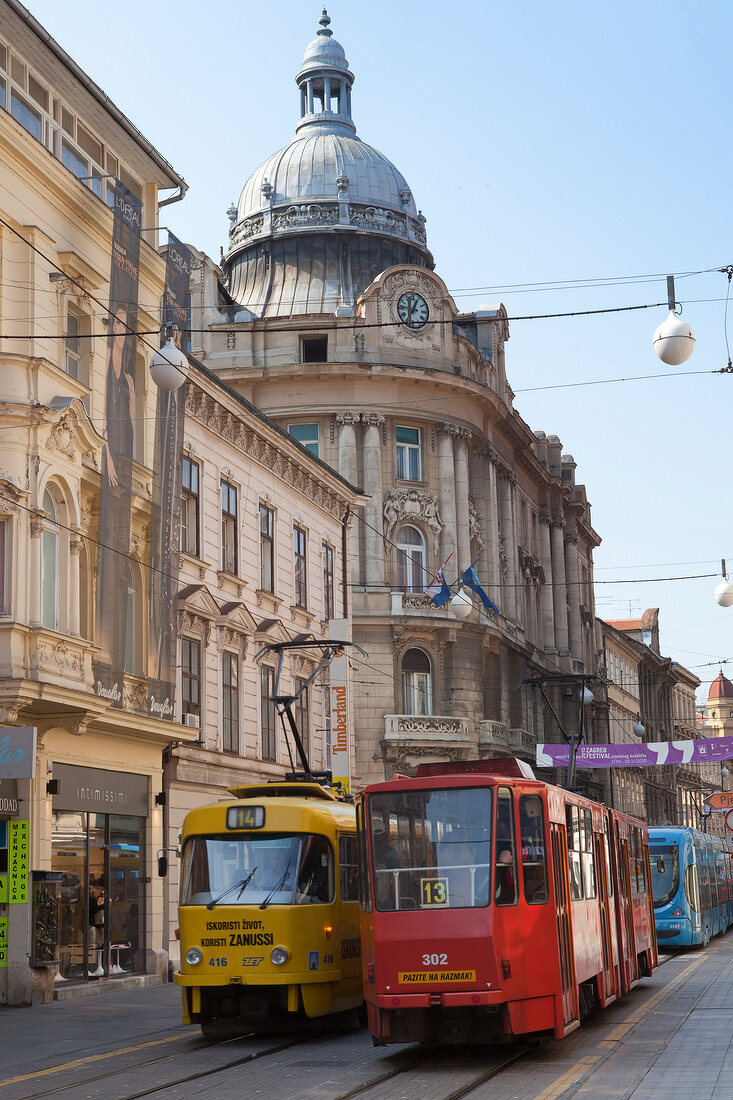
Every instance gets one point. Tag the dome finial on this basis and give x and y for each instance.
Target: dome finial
(324, 21)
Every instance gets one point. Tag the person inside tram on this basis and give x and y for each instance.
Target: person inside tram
(505, 890)
(386, 858)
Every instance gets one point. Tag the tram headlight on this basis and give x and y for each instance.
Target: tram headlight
(194, 955)
(279, 956)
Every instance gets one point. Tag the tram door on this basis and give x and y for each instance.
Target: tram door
(625, 923)
(608, 989)
(562, 916)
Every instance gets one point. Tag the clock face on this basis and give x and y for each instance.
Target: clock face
(412, 309)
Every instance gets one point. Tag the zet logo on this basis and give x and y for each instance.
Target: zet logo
(313, 960)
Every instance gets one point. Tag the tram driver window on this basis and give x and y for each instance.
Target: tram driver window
(534, 859)
(315, 874)
(505, 878)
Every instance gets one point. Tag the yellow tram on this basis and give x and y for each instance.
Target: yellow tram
(269, 909)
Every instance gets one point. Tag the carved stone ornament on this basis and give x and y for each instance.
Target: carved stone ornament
(402, 504)
(61, 438)
(308, 214)
(394, 286)
(474, 526)
(373, 420)
(348, 417)
(503, 559)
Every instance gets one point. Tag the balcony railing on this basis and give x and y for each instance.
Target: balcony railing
(499, 735)
(425, 727)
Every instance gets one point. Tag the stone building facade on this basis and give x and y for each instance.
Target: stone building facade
(327, 313)
(108, 781)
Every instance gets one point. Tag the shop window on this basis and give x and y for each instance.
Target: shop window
(417, 683)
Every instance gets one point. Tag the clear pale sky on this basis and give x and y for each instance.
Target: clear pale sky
(545, 143)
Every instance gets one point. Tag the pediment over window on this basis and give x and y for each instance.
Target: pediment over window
(273, 631)
(197, 600)
(236, 616)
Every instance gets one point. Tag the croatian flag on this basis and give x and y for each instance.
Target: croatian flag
(438, 589)
(470, 579)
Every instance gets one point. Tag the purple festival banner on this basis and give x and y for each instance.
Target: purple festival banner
(700, 751)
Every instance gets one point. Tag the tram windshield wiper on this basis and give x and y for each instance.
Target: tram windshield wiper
(242, 884)
(278, 885)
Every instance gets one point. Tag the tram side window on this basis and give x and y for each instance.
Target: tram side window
(607, 849)
(572, 821)
(692, 887)
(505, 883)
(534, 857)
(589, 870)
(348, 869)
(636, 857)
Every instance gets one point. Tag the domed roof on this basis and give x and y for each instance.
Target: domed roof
(312, 167)
(322, 217)
(721, 688)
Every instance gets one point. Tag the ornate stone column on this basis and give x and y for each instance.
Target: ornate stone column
(559, 590)
(463, 526)
(447, 491)
(572, 575)
(507, 481)
(75, 547)
(348, 468)
(35, 579)
(548, 620)
(372, 465)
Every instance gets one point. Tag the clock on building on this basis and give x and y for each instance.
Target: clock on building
(412, 309)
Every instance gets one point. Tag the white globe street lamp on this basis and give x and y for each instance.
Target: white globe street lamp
(169, 367)
(673, 340)
(724, 593)
(462, 604)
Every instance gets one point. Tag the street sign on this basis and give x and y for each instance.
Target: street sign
(729, 821)
(719, 802)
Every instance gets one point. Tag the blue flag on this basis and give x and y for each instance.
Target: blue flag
(470, 579)
(438, 589)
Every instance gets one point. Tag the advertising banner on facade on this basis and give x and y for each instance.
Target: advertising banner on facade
(165, 525)
(115, 580)
(702, 751)
(17, 752)
(340, 708)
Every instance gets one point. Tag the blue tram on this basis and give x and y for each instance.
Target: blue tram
(692, 884)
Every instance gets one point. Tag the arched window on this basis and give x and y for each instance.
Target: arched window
(417, 683)
(50, 563)
(411, 574)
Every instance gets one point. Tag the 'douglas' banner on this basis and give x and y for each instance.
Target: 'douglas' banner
(166, 510)
(700, 751)
(115, 581)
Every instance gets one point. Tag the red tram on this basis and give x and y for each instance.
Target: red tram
(496, 905)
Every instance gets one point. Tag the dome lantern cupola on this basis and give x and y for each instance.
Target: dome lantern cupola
(325, 83)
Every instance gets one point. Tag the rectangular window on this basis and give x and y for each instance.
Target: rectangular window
(267, 713)
(505, 877)
(348, 869)
(302, 713)
(589, 870)
(190, 507)
(307, 434)
(267, 555)
(37, 92)
(575, 857)
(534, 858)
(191, 679)
(4, 527)
(74, 161)
(229, 556)
(300, 590)
(26, 115)
(73, 346)
(89, 144)
(230, 702)
(409, 465)
(314, 349)
(327, 581)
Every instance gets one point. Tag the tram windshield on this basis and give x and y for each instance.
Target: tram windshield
(665, 864)
(431, 849)
(261, 869)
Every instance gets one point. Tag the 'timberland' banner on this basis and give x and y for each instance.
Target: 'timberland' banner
(701, 751)
(166, 508)
(115, 580)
